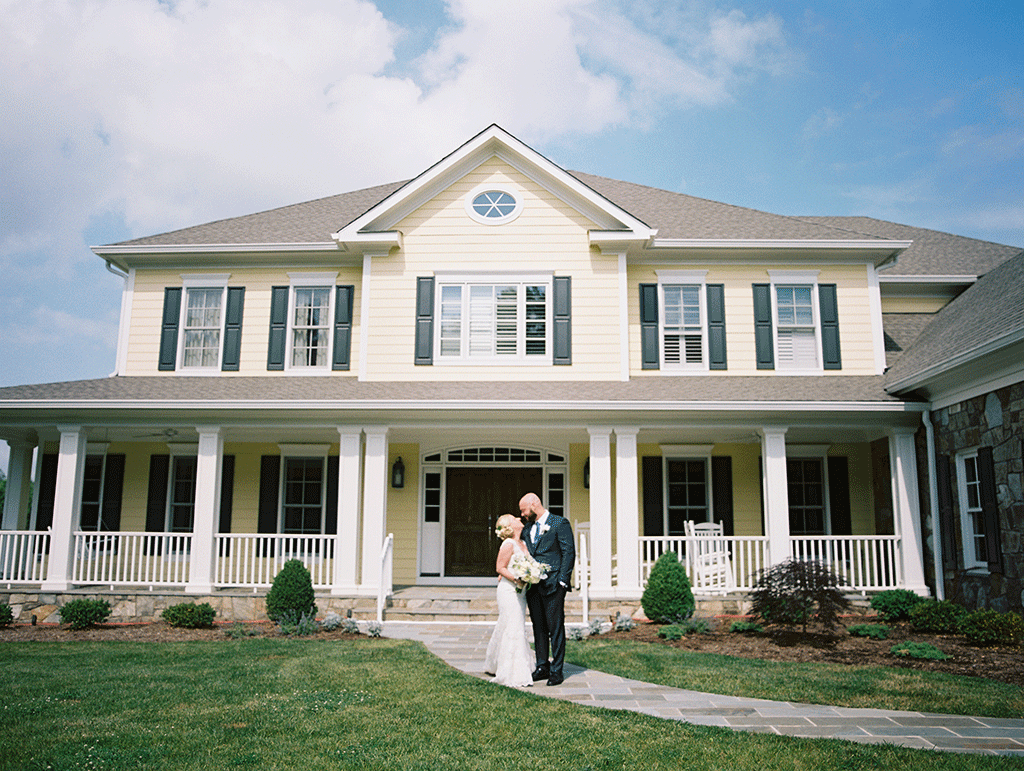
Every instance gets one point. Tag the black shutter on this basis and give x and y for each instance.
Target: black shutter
(227, 493)
(716, 326)
(331, 508)
(270, 480)
(113, 487)
(278, 327)
(721, 491)
(839, 495)
(561, 313)
(828, 305)
(424, 320)
(990, 509)
(763, 334)
(47, 491)
(156, 500)
(650, 347)
(343, 327)
(233, 329)
(169, 329)
(654, 509)
(948, 522)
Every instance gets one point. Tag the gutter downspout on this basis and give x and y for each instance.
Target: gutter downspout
(933, 505)
(120, 326)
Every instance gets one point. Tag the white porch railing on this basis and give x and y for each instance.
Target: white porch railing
(252, 560)
(583, 576)
(867, 562)
(386, 587)
(131, 558)
(746, 556)
(23, 556)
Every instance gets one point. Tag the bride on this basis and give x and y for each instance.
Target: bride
(509, 657)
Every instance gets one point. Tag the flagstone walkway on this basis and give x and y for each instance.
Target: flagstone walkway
(463, 645)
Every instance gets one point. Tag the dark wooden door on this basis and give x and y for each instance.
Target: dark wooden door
(475, 498)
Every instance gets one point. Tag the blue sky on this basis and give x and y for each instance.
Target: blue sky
(130, 117)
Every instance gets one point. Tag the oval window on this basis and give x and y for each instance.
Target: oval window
(491, 206)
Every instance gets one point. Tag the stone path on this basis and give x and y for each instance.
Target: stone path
(463, 645)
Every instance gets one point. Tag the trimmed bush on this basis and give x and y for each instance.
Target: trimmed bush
(874, 631)
(672, 632)
(990, 627)
(291, 593)
(938, 616)
(918, 650)
(746, 627)
(6, 615)
(667, 598)
(83, 613)
(796, 591)
(189, 615)
(293, 624)
(895, 605)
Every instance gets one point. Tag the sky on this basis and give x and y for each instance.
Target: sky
(125, 118)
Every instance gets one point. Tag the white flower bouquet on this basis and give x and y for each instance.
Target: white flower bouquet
(527, 570)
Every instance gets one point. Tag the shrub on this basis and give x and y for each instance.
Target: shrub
(189, 615)
(6, 615)
(291, 592)
(667, 598)
(623, 623)
(239, 630)
(595, 627)
(83, 613)
(990, 627)
(331, 622)
(299, 625)
(350, 626)
(874, 631)
(575, 633)
(745, 627)
(918, 650)
(374, 629)
(672, 632)
(938, 616)
(895, 605)
(796, 591)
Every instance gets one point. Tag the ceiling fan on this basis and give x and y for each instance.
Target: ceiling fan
(167, 433)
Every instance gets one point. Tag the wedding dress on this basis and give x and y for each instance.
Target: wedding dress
(509, 656)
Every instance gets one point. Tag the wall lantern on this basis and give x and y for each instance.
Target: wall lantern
(398, 474)
(586, 475)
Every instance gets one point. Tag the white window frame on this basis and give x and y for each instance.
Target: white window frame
(466, 282)
(685, 452)
(972, 518)
(326, 281)
(202, 282)
(683, 278)
(302, 452)
(809, 279)
(177, 452)
(488, 187)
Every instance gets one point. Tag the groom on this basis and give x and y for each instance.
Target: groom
(549, 539)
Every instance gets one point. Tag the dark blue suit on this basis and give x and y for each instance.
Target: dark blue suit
(546, 600)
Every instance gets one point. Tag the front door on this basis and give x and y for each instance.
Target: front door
(475, 498)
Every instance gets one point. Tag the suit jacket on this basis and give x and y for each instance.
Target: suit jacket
(556, 548)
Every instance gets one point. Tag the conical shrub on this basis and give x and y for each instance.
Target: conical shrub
(667, 598)
(291, 595)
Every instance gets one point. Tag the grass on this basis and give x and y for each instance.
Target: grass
(810, 683)
(360, 704)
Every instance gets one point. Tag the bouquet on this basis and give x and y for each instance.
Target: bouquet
(527, 570)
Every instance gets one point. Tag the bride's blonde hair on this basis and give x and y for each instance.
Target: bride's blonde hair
(503, 527)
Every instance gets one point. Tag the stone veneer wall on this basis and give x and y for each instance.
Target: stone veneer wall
(993, 420)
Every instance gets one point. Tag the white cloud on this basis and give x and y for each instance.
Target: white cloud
(824, 122)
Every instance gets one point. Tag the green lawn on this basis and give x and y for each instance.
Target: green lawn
(359, 704)
(813, 683)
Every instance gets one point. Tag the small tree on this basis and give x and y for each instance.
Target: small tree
(796, 591)
(667, 598)
(291, 595)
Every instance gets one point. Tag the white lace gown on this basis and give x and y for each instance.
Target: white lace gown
(509, 656)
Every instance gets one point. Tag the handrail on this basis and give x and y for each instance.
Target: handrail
(385, 588)
(584, 579)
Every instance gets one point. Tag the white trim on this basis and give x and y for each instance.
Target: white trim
(205, 280)
(686, 450)
(495, 276)
(962, 395)
(892, 278)
(877, 327)
(364, 315)
(176, 449)
(96, 448)
(623, 318)
(920, 378)
(326, 281)
(489, 187)
(682, 276)
(786, 243)
(313, 279)
(794, 276)
(967, 534)
(198, 283)
(304, 450)
(210, 248)
(124, 323)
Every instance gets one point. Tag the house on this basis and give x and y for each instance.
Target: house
(366, 381)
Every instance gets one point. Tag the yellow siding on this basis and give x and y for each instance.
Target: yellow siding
(913, 304)
(855, 331)
(403, 513)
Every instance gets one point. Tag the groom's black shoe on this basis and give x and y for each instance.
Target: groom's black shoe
(555, 680)
(540, 673)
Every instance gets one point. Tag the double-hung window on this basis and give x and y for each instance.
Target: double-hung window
(202, 321)
(796, 323)
(182, 495)
(682, 323)
(808, 514)
(310, 324)
(972, 515)
(303, 499)
(92, 492)
(684, 343)
(796, 331)
(687, 492)
(483, 320)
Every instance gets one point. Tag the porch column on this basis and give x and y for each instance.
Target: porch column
(627, 513)
(346, 543)
(67, 503)
(907, 515)
(19, 480)
(776, 494)
(375, 498)
(600, 512)
(210, 457)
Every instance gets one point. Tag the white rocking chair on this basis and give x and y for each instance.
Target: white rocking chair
(712, 567)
